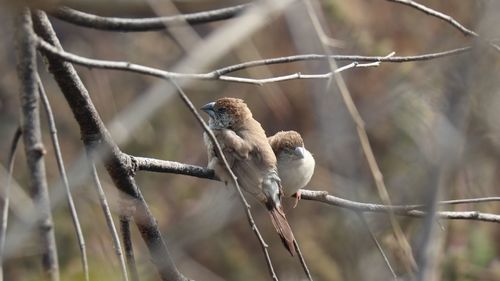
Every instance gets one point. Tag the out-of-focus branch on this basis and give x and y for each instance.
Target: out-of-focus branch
(64, 177)
(164, 166)
(144, 24)
(93, 132)
(108, 217)
(128, 246)
(365, 223)
(409, 261)
(33, 145)
(6, 195)
(219, 74)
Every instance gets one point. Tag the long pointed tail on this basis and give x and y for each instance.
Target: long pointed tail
(283, 228)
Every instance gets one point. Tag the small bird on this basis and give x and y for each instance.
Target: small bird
(250, 157)
(295, 162)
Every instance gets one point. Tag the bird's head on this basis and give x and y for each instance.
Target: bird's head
(288, 145)
(227, 113)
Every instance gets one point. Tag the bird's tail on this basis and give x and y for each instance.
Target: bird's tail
(283, 228)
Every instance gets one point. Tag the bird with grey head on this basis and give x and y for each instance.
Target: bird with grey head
(250, 157)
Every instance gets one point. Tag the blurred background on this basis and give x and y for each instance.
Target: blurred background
(432, 124)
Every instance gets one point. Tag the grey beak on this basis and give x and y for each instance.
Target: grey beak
(300, 151)
(209, 108)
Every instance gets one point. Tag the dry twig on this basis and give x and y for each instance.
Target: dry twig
(64, 177)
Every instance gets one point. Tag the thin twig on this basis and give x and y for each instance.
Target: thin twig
(436, 14)
(220, 154)
(109, 218)
(144, 24)
(302, 260)
(33, 145)
(446, 18)
(5, 196)
(64, 177)
(375, 241)
(128, 246)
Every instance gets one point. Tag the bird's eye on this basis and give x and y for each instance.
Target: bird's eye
(221, 110)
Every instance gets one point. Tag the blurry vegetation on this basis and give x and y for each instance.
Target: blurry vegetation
(202, 220)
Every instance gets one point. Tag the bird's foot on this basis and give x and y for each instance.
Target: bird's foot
(297, 196)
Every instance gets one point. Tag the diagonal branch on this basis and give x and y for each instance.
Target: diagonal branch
(64, 177)
(144, 24)
(431, 12)
(108, 216)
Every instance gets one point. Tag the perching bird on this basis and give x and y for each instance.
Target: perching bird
(295, 162)
(250, 157)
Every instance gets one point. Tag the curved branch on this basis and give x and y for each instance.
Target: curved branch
(437, 14)
(219, 74)
(144, 24)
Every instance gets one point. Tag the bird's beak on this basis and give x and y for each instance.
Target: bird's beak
(300, 151)
(209, 108)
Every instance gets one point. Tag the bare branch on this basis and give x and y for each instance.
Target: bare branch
(357, 58)
(219, 74)
(439, 15)
(6, 195)
(444, 17)
(164, 166)
(64, 177)
(322, 196)
(94, 132)
(33, 146)
(379, 247)
(144, 24)
(128, 246)
(302, 260)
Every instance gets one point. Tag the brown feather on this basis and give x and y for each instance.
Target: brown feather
(285, 139)
(283, 228)
(252, 160)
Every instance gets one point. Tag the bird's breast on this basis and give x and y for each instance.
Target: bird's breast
(295, 174)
